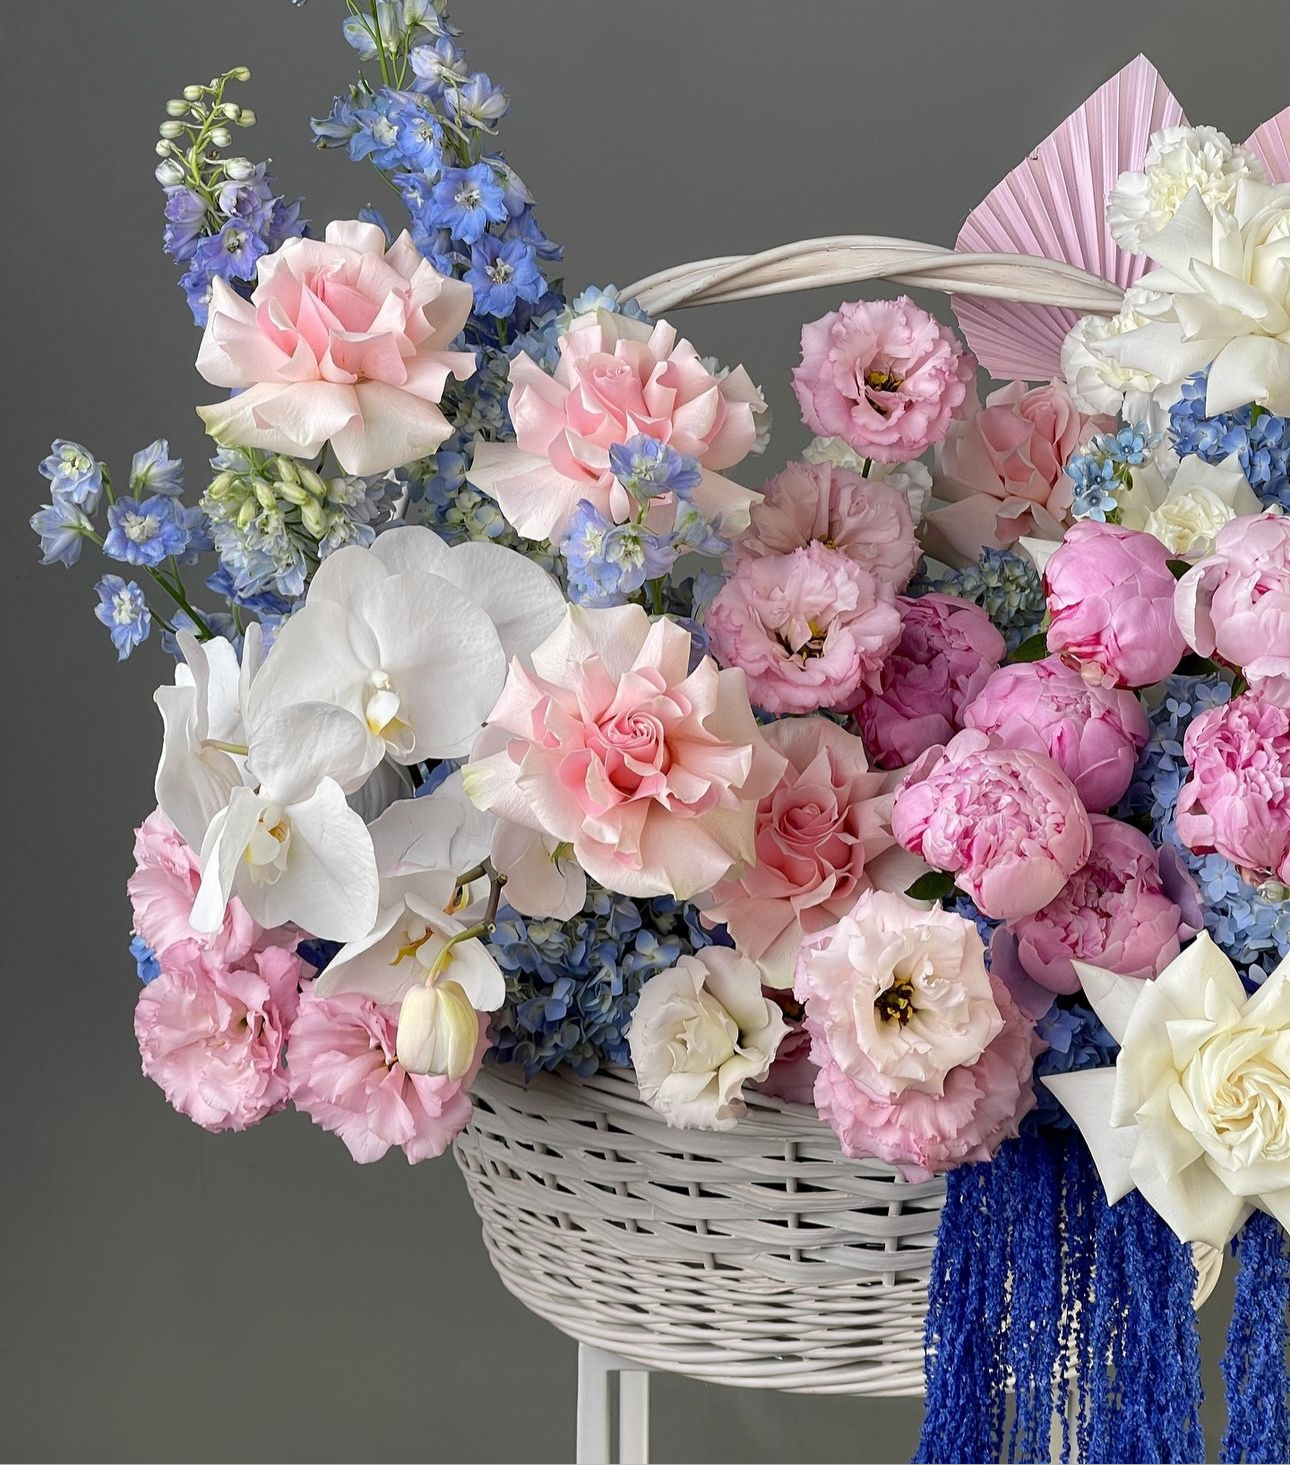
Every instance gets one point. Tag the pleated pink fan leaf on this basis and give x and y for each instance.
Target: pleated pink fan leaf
(1271, 145)
(1053, 204)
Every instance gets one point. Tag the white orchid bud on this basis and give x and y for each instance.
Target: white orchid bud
(438, 1030)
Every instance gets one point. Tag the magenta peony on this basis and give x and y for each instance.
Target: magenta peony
(1007, 823)
(882, 375)
(1094, 734)
(947, 650)
(809, 629)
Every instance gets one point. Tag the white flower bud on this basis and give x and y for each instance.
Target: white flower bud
(172, 129)
(177, 107)
(230, 110)
(313, 518)
(239, 169)
(193, 93)
(241, 73)
(221, 137)
(438, 1031)
(247, 118)
(164, 149)
(169, 173)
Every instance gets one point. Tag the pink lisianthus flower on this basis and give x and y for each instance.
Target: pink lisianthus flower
(1237, 801)
(1005, 822)
(211, 1034)
(617, 378)
(809, 629)
(342, 342)
(346, 1075)
(608, 741)
(1111, 598)
(866, 519)
(947, 651)
(882, 375)
(1094, 734)
(1236, 603)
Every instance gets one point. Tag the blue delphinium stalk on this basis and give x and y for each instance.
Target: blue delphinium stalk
(1260, 440)
(124, 611)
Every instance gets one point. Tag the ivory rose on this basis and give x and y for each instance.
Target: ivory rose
(1186, 504)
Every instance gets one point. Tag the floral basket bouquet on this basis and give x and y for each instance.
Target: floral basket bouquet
(894, 857)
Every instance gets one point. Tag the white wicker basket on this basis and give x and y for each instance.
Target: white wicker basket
(761, 1256)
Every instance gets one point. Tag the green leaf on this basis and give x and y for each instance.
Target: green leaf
(1033, 648)
(935, 885)
(1178, 568)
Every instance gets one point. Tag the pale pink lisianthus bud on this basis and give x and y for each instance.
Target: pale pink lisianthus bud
(1237, 801)
(342, 342)
(1005, 822)
(947, 651)
(1111, 598)
(809, 629)
(346, 1075)
(1094, 734)
(884, 376)
(867, 519)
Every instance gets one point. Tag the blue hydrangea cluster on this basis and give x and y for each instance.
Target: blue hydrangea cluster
(1260, 440)
(571, 986)
(1005, 585)
(1102, 468)
(1076, 1040)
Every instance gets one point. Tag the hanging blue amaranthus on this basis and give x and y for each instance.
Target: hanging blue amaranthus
(1254, 1363)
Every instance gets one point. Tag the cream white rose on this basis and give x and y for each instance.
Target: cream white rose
(700, 1031)
(1184, 504)
(1099, 382)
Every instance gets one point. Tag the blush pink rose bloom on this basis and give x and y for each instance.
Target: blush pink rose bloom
(823, 835)
(342, 341)
(1094, 734)
(809, 629)
(1236, 603)
(946, 654)
(1005, 822)
(346, 1075)
(608, 741)
(1237, 801)
(1111, 599)
(211, 1035)
(866, 519)
(884, 376)
(617, 378)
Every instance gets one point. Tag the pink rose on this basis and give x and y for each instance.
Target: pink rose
(867, 519)
(1236, 604)
(1006, 822)
(809, 629)
(883, 376)
(211, 1035)
(822, 836)
(609, 742)
(1111, 598)
(345, 1074)
(341, 342)
(1094, 734)
(946, 652)
(1237, 800)
(617, 378)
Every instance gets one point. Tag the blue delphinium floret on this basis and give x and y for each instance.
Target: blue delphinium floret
(608, 562)
(502, 273)
(145, 533)
(465, 201)
(154, 471)
(1260, 440)
(62, 527)
(74, 472)
(648, 469)
(124, 611)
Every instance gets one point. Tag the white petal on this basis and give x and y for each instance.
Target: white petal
(343, 574)
(192, 784)
(1113, 997)
(312, 660)
(221, 857)
(1086, 1097)
(362, 966)
(294, 748)
(410, 547)
(523, 601)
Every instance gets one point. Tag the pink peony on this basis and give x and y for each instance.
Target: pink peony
(792, 1074)
(346, 1076)
(946, 652)
(1111, 598)
(883, 376)
(609, 742)
(211, 1034)
(925, 1134)
(1094, 734)
(617, 378)
(1007, 823)
(822, 836)
(867, 519)
(1236, 603)
(341, 342)
(809, 629)
(1128, 909)
(1237, 800)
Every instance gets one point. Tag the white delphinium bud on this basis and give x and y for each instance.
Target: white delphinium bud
(239, 169)
(246, 118)
(177, 107)
(194, 93)
(221, 137)
(169, 173)
(172, 130)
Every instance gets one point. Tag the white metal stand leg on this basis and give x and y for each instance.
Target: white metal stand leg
(633, 1417)
(593, 1438)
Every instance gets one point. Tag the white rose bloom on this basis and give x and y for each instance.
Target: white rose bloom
(1195, 1112)
(700, 1030)
(1185, 503)
(1102, 385)
(913, 479)
(1178, 160)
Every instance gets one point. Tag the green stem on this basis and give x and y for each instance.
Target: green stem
(382, 55)
(656, 596)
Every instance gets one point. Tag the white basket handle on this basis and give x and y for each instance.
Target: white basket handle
(847, 258)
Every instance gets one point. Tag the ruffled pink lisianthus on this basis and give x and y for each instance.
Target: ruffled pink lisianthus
(884, 376)
(1094, 734)
(809, 629)
(867, 519)
(1237, 800)
(617, 378)
(1005, 822)
(1111, 598)
(947, 651)
(345, 1074)
(342, 341)
(609, 742)
(211, 1034)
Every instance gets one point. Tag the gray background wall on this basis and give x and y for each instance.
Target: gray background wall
(166, 1294)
